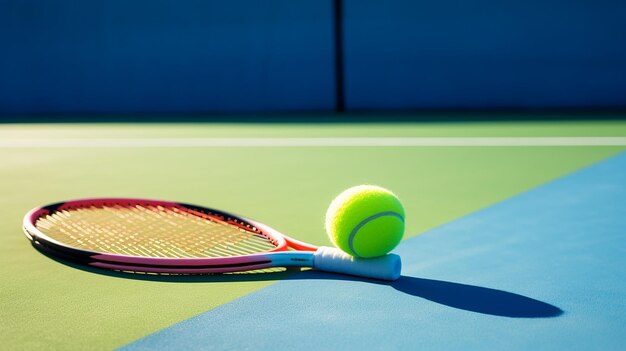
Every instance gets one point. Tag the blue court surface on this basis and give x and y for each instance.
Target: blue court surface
(542, 270)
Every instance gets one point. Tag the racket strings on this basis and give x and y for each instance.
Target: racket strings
(150, 231)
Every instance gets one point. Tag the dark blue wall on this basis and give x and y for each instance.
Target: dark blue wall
(486, 53)
(130, 56)
(111, 56)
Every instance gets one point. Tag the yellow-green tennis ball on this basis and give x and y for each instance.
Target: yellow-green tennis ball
(365, 221)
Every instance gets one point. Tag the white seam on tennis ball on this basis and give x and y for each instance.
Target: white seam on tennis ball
(367, 220)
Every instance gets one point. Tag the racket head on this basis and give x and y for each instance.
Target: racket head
(143, 235)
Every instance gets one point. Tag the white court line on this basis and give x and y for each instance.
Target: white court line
(310, 142)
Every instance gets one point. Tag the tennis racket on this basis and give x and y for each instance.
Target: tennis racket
(151, 236)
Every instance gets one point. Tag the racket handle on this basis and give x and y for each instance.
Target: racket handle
(330, 259)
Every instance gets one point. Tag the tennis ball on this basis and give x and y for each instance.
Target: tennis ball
(365, 221)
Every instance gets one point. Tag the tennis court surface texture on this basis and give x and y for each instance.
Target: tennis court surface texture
(514, 235)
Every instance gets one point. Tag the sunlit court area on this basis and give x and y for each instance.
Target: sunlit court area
(319, 175)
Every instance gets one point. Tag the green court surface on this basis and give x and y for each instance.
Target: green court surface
(45, 304)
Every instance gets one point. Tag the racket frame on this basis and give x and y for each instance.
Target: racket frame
(280, 256)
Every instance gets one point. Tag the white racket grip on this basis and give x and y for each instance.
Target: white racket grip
(330, 259)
